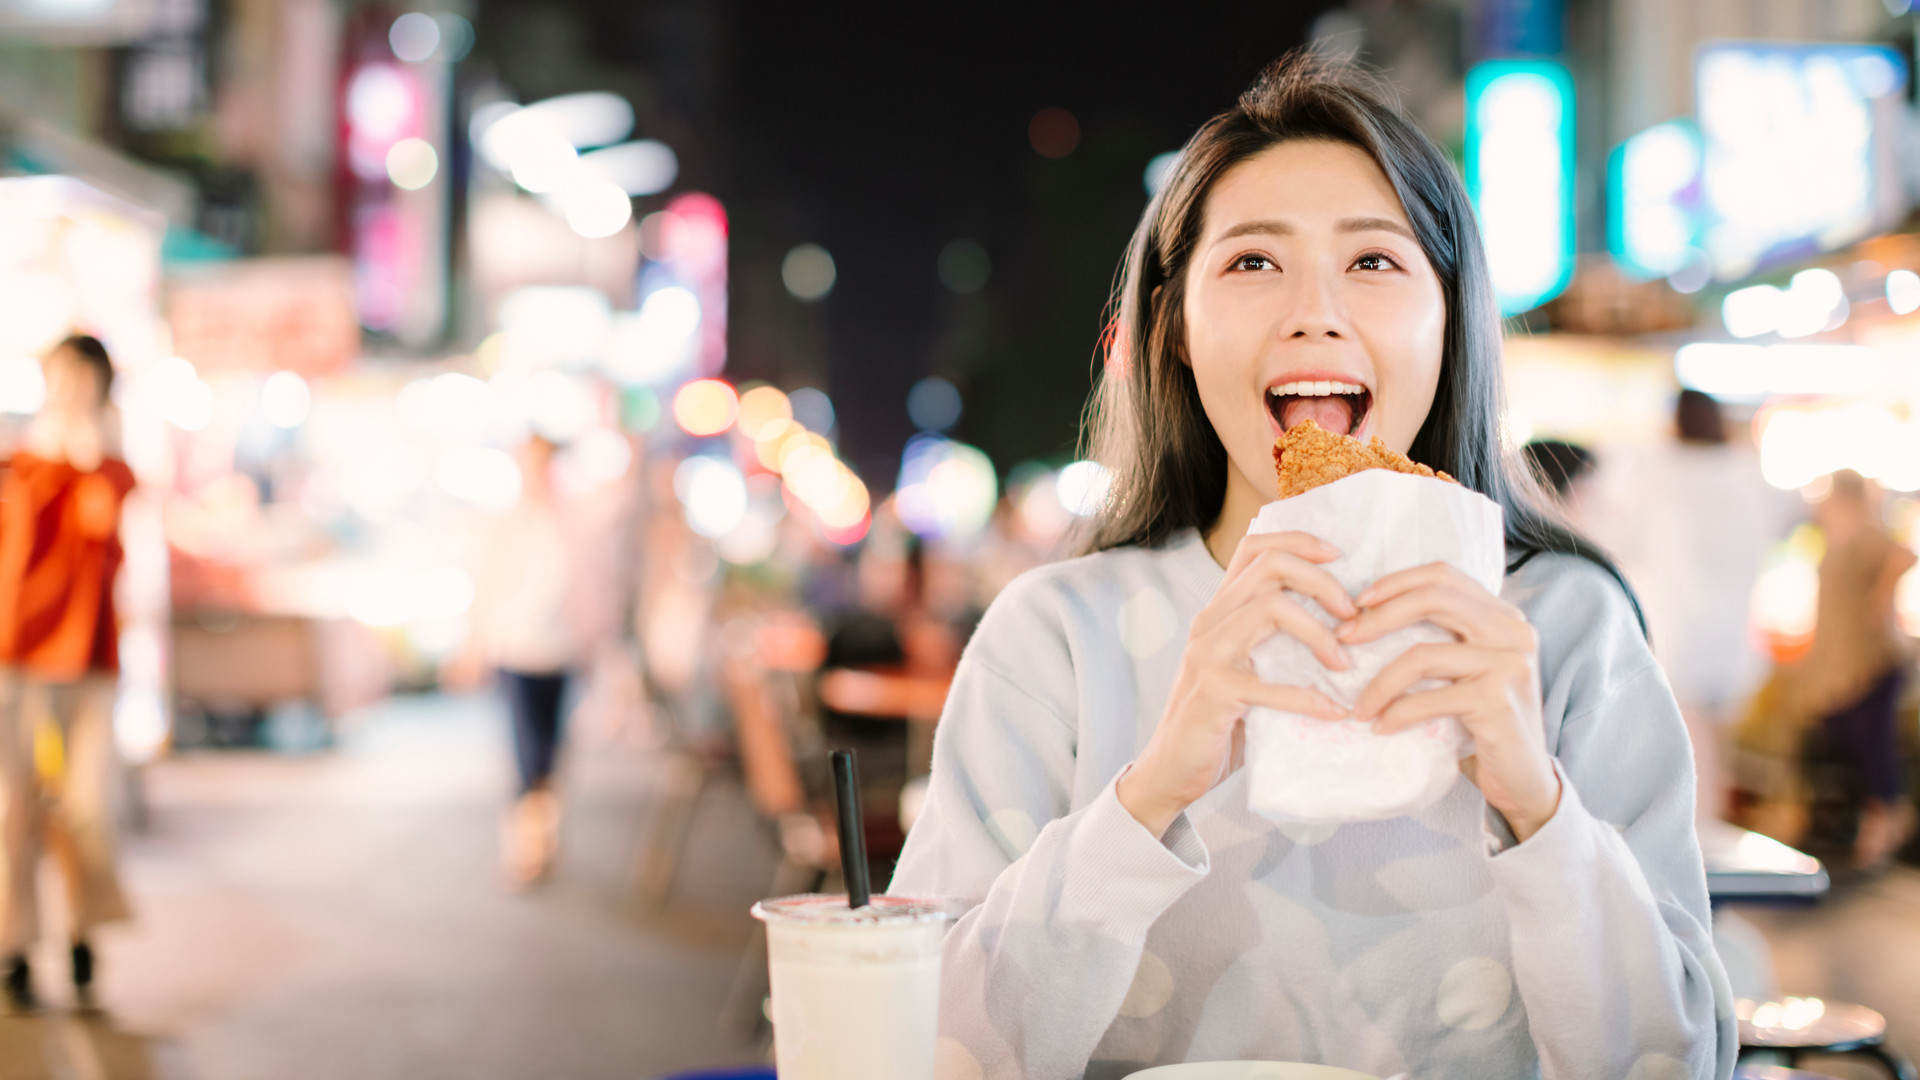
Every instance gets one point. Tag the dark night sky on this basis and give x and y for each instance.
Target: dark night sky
(883, 134)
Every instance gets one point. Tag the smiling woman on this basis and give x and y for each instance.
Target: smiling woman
(1312, 257)
(1309, 276)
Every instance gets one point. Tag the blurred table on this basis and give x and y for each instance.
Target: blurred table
(1746, 866)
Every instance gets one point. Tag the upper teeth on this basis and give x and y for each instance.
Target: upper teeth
(1323, 388)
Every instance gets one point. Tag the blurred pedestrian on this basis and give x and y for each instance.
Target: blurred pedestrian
(1694, 518)
(1852, 675)
(528, 625)
(60, 504)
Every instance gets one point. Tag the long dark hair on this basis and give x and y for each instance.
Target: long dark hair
(1145, 423)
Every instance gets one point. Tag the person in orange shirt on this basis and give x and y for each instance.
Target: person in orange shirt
(60, 503)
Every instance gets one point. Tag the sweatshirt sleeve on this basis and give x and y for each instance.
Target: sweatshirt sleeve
(1058, 899)
(1639, 990)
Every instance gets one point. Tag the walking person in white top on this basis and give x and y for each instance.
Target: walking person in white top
(1547, 917)
(528, 626)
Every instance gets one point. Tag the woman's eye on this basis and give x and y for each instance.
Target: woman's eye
(1253, 262)
(1373, 260)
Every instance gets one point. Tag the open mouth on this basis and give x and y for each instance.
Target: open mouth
(1339, 407)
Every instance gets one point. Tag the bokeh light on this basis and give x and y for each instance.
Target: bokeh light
(285, 399)
(812, 409)
(412, 164)
(456, 37)
(595, 208)
(761, 409)
(1799, 445)
(645, 167)
(594, 458)
(659, 342)
(1054, 132)
(808, 273)
(379, 102)
(1083, 486)
(181, 395)
(964, 266)
(1903, 292)
(946, 489)
(785, 444)
(705, 407)
(933, 404)
(1752, 311)
(1038, 504)
(23, 386)
(713, 492)
(1815, 301)
(1158, 169)
(414, 37)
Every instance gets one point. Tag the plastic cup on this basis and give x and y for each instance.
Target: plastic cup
(856, 992)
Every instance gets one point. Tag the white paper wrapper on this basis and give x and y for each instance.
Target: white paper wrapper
(1305, 769)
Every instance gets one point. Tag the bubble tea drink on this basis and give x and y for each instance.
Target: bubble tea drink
(856, 992)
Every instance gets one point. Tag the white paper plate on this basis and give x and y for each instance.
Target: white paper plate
(1249, 1070)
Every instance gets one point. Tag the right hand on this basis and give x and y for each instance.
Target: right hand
(1200, 735)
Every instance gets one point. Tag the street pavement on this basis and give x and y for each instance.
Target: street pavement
(340, 915)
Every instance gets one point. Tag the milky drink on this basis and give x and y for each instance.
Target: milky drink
(856, 993)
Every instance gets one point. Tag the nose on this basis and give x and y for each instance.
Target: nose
(1314, 311)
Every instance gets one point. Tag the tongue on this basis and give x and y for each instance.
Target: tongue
(1333, 413)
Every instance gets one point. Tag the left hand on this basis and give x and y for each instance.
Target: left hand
(1493, 683)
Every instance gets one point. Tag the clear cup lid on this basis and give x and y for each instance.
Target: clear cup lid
(822, 909)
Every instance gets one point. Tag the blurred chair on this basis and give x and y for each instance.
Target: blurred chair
(689, 762)
(1775, 1072)
(768, 673)
(1793, 1026)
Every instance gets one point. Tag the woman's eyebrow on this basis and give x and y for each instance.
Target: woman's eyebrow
(1252, 228)
(1268, 227)
(1375, 224)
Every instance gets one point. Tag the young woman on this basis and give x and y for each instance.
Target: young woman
(1548, 916)
(60, 507)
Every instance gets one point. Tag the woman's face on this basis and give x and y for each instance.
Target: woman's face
(71, 383)
(1309, 298)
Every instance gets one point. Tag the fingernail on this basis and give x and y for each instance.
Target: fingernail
(1344, 630)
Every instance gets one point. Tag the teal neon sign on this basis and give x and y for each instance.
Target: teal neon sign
(1654, 218)
(1520, 177)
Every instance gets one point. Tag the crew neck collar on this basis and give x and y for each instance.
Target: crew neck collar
(1193, 563)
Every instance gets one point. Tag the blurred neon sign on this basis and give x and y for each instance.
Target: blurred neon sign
(1653, 200)
(1795, 159)
(1520, 176)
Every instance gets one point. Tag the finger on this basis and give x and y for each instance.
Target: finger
(1461, 700)
(1305, 545)
(1289, 571)
(1473, 615)
(1451, 661)
(1268, 575)
(1298, 544)
(1276, 613)
(1306, 701)
(1391, 585)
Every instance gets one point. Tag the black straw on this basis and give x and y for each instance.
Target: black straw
(853, 836)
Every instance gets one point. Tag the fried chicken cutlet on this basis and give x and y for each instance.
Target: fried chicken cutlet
(1308, 456)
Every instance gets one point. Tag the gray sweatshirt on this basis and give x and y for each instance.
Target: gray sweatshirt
(1432, 944)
